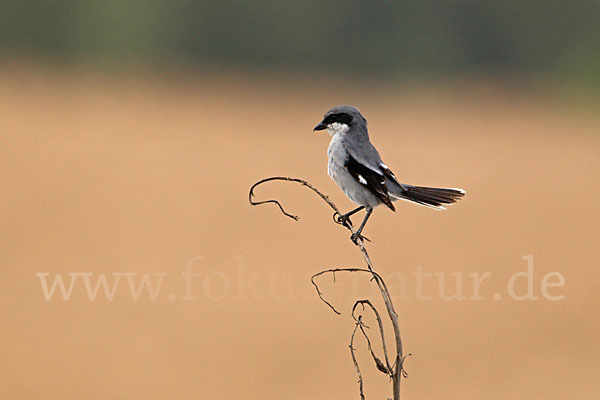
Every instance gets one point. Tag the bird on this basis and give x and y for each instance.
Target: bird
(356, 167)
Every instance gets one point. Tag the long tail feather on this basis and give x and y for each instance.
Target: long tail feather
(431, 197)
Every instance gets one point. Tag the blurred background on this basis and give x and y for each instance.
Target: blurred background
(130, 133)
(543, 40)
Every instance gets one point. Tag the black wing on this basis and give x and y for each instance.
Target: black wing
(372, 180)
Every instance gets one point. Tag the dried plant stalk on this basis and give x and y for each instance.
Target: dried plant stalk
(396, 370)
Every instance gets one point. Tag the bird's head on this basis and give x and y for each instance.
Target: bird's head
(340, 119)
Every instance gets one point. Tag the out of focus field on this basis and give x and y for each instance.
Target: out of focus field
(142, 174)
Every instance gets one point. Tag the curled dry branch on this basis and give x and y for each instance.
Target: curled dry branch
(395, 371)
(387, 368)
(283, 178)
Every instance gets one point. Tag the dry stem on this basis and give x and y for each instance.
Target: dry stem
(395, 371)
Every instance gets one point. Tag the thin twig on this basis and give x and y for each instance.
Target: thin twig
(360, 379)
(333, 271)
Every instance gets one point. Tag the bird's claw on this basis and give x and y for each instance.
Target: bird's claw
(342, 219)
(356, 236)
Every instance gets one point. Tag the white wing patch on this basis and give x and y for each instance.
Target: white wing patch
(386, 169)
(362, 180)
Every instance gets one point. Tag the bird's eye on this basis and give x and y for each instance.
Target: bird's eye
(344, 118)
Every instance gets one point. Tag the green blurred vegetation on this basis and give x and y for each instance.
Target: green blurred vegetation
(413, 38)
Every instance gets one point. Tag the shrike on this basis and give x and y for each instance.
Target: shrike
(354, 164)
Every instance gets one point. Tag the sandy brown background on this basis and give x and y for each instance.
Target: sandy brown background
(121, 174)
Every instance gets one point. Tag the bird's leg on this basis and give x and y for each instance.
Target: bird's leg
(345, 218)
(357, 235)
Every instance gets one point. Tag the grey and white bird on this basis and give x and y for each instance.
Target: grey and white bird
(355, 165)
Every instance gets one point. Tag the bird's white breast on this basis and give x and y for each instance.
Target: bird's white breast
(336, 155)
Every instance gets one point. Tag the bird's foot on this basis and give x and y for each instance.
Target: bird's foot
(355, 237)
(342, 219)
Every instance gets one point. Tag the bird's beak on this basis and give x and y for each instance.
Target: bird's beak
(320, 126)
